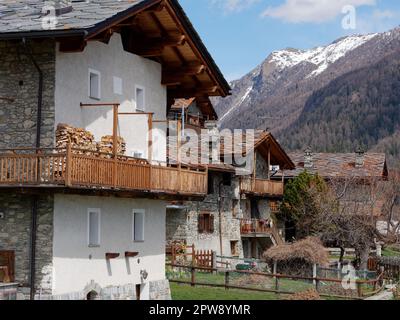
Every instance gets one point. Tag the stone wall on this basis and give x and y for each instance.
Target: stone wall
(182, 224)
(159, 290)
(15, 229)
(261, 167)
(19, 82)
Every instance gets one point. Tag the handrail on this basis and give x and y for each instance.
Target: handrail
(77, 167)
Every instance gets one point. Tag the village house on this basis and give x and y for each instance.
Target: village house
(236, 219)
(85, 89)
(357, 176)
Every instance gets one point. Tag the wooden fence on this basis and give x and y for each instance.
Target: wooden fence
(377, 284)
(199, 258)
(390, 267)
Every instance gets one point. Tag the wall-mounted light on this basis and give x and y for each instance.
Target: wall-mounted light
(144, 274)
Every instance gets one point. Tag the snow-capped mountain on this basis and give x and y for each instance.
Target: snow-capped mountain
(274, 94)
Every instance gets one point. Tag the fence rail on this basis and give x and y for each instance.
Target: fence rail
(261, 186)
(85, 168)
(317, 282)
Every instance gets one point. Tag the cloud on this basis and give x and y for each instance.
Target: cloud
(314, 11)
(377, 21)
(234, 5)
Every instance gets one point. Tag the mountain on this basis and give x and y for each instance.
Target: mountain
(333, 98)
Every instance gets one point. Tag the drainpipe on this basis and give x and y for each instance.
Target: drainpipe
(220, 216)
(32, 257)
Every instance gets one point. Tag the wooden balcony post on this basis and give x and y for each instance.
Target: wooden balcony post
(179, 142)
(150, 135)
(269, 163)
(115, 143)
(68, 165)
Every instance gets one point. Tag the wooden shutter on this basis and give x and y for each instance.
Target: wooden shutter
(7, 259)
(201, 223)
(211, 223)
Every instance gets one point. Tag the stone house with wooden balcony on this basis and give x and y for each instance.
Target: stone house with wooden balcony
(85, 89)
(358, 177)
(236, 219)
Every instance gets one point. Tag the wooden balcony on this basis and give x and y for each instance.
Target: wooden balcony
(257, 228)
(261, 187)
(83, 169)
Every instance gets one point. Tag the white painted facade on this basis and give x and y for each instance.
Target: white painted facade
(76, 264)
(120, 73)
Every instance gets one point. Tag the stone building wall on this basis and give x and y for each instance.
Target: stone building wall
(15, 229)
(182, 224)
(19, 81)
(261, 167)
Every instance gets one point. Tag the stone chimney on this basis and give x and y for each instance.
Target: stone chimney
(308, 158)
(60, 6)
(360, 157)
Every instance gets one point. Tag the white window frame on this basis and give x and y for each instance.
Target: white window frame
(98, 211)
(142, 211)
(144, 98)
(92, 71)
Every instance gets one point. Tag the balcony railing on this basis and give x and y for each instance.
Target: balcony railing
(259, 227)
(261, 186)
(250, 226)
(77, 168)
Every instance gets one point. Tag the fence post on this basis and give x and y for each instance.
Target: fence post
(68, 165)
(193, 279)
(359, 289)
(214, 260)
(226, 280)
(314, 273)
(277, 284)
(316, 284)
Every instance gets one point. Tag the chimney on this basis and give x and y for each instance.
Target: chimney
(308, 158)
(60, 6)
(360, 157)
(213, 140)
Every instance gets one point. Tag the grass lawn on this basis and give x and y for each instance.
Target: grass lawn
(186, 292)
(389, 252)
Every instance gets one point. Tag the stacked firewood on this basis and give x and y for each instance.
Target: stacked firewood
(78, 138)
(106, 145)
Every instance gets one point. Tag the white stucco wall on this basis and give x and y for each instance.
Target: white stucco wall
(72, 72)
(76, 264)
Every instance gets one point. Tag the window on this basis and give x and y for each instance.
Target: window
(94, 227)
(235, 209)
(210, 188)
(117, 84)
(138, 154)
(94, 84)
(138, 225)
(227, 179)
(206, 223)
(234, 248)
(139, 97)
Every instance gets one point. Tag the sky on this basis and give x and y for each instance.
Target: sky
(240, 34)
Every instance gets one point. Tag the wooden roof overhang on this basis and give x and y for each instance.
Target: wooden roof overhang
(160, 30)
(278, 155)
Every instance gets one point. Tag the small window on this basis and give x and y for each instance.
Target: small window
(210, 188)
(227, 179)
(94, 227)
(138, 154)
(234, 248)
(117, 84)
(138, 225)
(206, 223)
(94, 84)
(140, 100)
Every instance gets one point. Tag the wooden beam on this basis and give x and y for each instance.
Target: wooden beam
(173, 76)
(72, 45)
(192, 92)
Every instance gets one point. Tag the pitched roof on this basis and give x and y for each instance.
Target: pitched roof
(27, 16)
(340, 165)
(24, 19)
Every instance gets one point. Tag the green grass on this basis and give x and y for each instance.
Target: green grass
(186, 292)
(390, 252)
